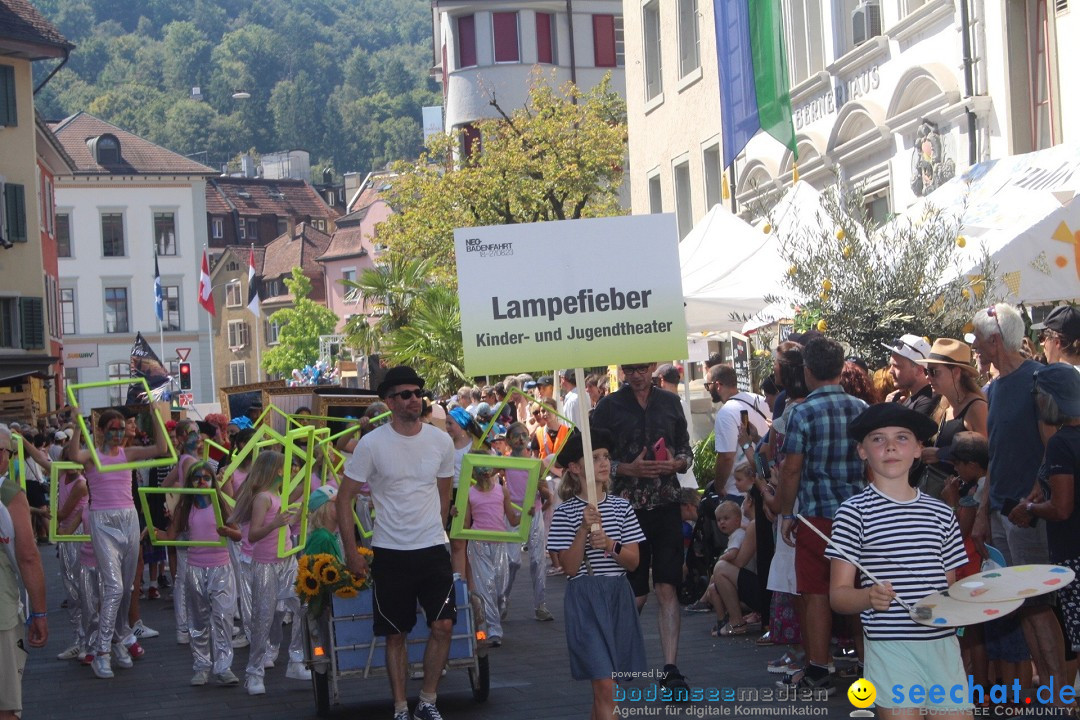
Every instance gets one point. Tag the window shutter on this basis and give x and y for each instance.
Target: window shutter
(15, 212)
(544, 45)
(604, 40)
(9, 115)
(466, 41)
(32, 320)
(506, 36)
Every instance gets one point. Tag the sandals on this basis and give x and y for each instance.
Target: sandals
(730, 630)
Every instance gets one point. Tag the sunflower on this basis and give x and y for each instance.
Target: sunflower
(330, 574)
(316, 563)
(366, 552)
(307, 585)
(347, 591)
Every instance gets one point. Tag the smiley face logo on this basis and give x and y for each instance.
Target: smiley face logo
(862, 693)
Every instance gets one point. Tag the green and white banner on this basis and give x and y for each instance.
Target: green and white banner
(573, 293)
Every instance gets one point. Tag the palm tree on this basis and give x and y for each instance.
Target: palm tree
(389, 291)
(431, 340)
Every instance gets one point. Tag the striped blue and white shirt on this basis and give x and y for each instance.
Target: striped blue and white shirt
(910, 544)
(620, 524)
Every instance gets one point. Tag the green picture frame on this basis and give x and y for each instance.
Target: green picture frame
(20, 455)
(152, 533)
(60, 466)
(458, 531)
(499, 408)
(88, 436)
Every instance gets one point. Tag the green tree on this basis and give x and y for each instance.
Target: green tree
(301, 326)
(865, 283)
(558, 158)
(389, 291)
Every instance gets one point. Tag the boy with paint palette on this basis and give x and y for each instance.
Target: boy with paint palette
(909, 541)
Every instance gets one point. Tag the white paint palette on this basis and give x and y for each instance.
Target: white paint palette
(1018, 582)
(947, 611)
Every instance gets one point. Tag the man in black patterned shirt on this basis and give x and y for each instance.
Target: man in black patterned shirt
(651, 446)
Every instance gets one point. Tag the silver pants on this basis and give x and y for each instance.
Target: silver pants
(363, 512)
(211, 598)
(271, 582)
(241, 567)
(489, 566)
(89, 607)
(115, 536)
(69, 573)
(179, 593)
(537, 563)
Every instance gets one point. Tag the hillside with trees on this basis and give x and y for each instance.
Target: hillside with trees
(343, 79)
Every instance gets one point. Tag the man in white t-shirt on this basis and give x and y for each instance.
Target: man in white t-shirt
(408, 466)
(568, 385)
(723, 386)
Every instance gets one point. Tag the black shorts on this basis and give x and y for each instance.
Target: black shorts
(662, 551)
(37, 494)
(749, 589)
(403, 578)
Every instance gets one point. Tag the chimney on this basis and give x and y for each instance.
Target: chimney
(352, 184)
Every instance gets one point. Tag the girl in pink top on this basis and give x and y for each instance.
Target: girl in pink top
(272, 578)
(489, 509)
(71, 499)
(211, 588)
(114, 531)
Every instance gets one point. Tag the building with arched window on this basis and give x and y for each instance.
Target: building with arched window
(896, 96)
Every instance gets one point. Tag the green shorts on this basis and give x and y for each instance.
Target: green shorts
(896, 667)
(12, 663)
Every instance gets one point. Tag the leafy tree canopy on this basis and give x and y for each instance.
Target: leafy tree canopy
(301, 326)
(314, 74)
(558, 158)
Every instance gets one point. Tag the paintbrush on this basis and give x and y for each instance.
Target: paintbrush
(918, 613)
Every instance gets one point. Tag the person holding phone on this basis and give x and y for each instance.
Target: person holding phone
(740, 411)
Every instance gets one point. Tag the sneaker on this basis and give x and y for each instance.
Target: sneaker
(70, 654)
(163, 581)
(226, 678)
(102, 666)
(153, 593)
(144, 632)
(699, 607)
(255, 685)
(268, 663)
(494, 642)
(426, 711)
(183, 637)
(786, 664)
(675, 682)
(240, 641)
(543, 615)
(135, 650)
(200, 677)
(555, 571)
(403, 715)
(87, 659)
(504, 609)
(123, 659)
(297, 671)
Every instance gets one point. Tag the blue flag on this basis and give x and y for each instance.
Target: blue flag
(159, 301)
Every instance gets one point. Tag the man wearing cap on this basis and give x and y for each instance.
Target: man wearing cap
(910, 378)
(1016, 451)
(1059, 335)
(651, 445)
(408, 466)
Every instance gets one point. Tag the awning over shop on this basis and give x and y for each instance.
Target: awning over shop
(13, 367)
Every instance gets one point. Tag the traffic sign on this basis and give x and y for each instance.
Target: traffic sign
(182, 353)
(187, 400)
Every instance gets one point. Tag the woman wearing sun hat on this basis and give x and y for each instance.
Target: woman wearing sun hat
(954, 378)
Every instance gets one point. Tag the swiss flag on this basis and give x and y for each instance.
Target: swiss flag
(206, 299)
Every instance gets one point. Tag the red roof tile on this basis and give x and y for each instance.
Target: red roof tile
(349, 238)
(260, 196)
(300, 249)
(137, 156)
(20, 22)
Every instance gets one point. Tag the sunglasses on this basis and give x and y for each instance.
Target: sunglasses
(992, 312)
(406, 394)
(635, 369)
(934, 371)
(1048, 334)
(899, 344)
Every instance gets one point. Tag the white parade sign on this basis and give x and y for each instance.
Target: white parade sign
(573, 293)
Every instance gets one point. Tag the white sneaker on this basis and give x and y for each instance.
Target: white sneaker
(297, 671)
(255, 685)
(183, 637)
(240, 641)
(226, 678)
(102, 666)
(70, 654)
(142, 632)
(200, 677)
(123, 657)
(268, 663)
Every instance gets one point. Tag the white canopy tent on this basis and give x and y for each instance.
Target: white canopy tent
(1024, 211)
(729, 266)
